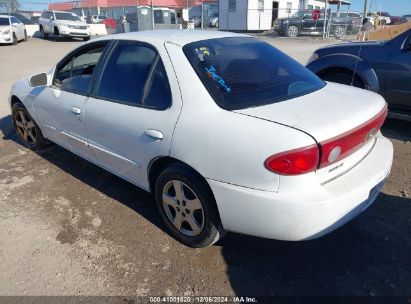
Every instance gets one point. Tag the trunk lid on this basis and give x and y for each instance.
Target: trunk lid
(335, 111)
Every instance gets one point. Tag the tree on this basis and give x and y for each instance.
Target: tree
(10, 5)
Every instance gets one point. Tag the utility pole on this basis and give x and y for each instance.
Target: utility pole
(365, 8)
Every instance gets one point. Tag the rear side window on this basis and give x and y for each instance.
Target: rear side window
(243, 72)
(135, 75)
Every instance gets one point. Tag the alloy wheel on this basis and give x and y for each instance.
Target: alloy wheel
(183, 208)
(25, 127)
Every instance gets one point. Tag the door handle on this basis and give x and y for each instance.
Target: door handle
(154, 134)
(76, 110)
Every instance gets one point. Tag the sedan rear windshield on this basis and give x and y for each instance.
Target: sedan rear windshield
(4, 21)
(242, 72)
(67, 16)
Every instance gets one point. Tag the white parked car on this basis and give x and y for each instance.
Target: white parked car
(64, 24)
(12, 30)
(226, 131)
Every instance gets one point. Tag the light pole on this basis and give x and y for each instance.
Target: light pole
(152, 14)
(365, 8)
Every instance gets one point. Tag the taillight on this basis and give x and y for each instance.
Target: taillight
(294, 162)
(307, 159)
(339, 147)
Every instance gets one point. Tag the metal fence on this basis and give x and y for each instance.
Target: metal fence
(287, 22)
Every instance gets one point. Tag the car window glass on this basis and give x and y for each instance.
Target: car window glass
(243, 72)
(14, 20)
(76, 73)
(159, 94)
(4, 21)
(126, 72)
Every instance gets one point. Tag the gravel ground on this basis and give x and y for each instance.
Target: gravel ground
(68, 227)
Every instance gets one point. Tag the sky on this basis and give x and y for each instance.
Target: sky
(394, 7)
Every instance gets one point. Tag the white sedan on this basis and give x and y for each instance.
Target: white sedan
(12, 30)
(226, 131)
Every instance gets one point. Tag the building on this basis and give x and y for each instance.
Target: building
(254, 15)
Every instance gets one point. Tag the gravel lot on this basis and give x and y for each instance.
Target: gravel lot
(69, 228)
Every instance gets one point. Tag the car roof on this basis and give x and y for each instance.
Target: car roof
(5, 16)
(60, 12)
(179, 37)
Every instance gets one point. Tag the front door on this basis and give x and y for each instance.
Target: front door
(131, 115)
(18, 27)
(60, 107)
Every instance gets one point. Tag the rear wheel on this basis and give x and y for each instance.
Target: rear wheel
(343, 78)
(187, 206)
(26, 128)
(292, 31)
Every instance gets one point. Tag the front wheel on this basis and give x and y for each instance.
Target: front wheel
(43, 34)
(339, 32)
(14, 39)
(26, 128)
(25, 36)
(86, 38)
(292, 31)
(187, 206)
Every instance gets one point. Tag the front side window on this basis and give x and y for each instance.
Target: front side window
(135, 75)
(14, 20)
(75, 73)
(242, 72)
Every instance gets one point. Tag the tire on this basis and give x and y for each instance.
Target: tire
(339, 31)
(26, 128)
(292, 31)
(343, 78)
(25, 36)
(194, 210)
(86, 38)
(43, 34)
(14, 39)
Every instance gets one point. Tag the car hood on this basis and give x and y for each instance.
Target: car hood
(4, 27)
(324, 114)
(288, 19)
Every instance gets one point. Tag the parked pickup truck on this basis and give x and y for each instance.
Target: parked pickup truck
(65, 24)
(302, 22)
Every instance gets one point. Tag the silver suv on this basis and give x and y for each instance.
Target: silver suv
(65, 24)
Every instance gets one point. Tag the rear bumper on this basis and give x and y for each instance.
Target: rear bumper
(308, 211)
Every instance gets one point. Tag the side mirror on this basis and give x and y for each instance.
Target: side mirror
(51, 18)
(38, 80)
(15, 24)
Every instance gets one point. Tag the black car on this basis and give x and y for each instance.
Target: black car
(381, 66)
(302, 22)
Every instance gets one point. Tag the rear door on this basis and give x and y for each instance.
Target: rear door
(132, 113)
(398, 75)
